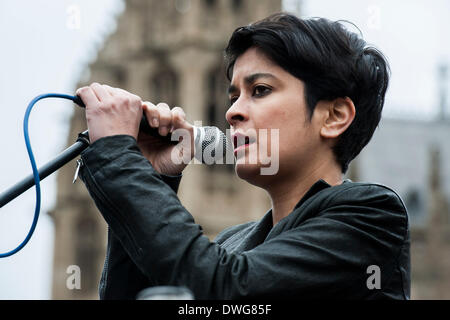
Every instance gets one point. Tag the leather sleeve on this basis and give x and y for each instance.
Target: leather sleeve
(121, 279)
(325, 256)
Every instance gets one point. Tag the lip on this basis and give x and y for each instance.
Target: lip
(236, 150)
(241, 141)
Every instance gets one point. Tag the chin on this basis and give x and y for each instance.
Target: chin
(251, 173)
(249, 167)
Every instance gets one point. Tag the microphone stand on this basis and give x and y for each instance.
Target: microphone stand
(64, 157)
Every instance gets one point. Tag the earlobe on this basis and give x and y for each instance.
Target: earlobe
(339, 116)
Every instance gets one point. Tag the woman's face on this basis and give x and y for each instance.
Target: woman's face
(267, 100)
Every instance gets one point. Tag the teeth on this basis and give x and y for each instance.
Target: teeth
(240, 141)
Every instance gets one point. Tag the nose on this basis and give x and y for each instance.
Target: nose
(236, 113)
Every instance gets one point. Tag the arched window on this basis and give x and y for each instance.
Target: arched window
(415, 205)
(87, 251)
(217, 99)
(217, 103)
(210, 3)
(119, 76)
(236, 5)
(164, 86)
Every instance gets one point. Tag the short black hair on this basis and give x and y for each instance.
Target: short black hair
(331, 61)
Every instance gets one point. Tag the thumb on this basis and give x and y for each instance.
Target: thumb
(179, 119)
(186, 147)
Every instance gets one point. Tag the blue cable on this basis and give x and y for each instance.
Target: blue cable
(34, 167)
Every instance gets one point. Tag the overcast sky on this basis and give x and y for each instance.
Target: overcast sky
(46, 45)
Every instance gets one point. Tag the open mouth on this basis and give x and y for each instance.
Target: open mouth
(241, 142)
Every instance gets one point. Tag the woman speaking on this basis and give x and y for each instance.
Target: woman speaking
(321, 89)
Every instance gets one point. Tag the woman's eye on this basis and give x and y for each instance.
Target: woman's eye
(260, 91)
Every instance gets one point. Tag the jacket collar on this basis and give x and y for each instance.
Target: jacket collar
(264, 228)
(316, 187)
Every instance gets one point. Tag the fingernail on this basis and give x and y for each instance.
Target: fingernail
(155, 122)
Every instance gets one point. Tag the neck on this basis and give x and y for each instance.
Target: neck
(286, 194)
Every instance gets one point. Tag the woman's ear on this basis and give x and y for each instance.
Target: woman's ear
(338, 116)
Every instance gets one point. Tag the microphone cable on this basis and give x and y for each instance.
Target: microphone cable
(36, 177)
(204, 137)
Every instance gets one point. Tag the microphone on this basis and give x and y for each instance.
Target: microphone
(210, 144)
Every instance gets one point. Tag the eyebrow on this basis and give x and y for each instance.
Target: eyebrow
(250, 80)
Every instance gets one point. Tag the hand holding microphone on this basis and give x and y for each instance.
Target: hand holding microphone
(164, 136)
(110, 111)
(166, 157)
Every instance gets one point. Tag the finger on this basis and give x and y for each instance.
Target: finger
(115, 92)
(101, 92)
(187, 137)
(129, 94)
(178, 118)
(112, 91)
(152, 114)
(165, 118)
(88, 96)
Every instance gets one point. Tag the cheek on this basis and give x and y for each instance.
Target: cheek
(283, 111)
(295, 136)
(276, 118)
(290, 123)
(282, 134)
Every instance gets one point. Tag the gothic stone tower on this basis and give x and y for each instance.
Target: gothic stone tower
(164, 51)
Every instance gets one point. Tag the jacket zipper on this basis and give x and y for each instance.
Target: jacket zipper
(105, 267)
(80, 163)
(88, 180)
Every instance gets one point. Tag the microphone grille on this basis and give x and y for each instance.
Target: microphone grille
(213, 146)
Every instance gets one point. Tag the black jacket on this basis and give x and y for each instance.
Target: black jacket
(324, 249)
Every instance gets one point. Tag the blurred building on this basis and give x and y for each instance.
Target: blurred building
(412, 157)
(164, 51)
